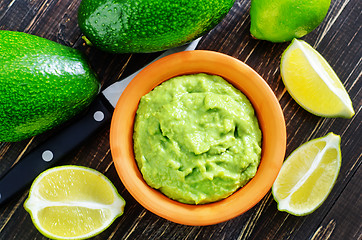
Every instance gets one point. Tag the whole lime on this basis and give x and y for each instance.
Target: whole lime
(283, 20)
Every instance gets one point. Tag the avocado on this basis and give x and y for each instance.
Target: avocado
(141, 26)
(42, 84)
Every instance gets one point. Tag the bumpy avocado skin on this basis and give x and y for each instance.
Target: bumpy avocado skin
(42, 84)
(136, 26)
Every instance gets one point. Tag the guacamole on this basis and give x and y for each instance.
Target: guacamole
(196, 138)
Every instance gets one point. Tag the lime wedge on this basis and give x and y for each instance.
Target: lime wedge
(312, 83)
(73, 202)
(308, 175)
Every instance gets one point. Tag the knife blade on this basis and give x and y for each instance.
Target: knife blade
(98, 114)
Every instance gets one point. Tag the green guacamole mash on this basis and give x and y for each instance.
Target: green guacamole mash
(196, 139)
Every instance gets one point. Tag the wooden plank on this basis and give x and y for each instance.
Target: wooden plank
(338, 223)
(338, 40)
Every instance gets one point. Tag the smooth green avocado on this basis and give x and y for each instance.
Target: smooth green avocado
(42, 84)
(124, 26)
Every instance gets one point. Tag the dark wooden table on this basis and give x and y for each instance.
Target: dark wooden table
(338, 39)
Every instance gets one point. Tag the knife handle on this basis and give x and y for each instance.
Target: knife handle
(55, 148)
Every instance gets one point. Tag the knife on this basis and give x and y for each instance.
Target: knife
(56, 147)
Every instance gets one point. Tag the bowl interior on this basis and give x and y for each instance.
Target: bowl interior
(269, 114)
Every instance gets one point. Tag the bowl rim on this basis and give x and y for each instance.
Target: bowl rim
(271, 122)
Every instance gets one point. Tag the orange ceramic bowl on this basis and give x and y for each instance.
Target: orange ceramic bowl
(268, 112)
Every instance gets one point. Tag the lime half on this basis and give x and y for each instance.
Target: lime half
(308, 175)
(312, 83)
(73, 202)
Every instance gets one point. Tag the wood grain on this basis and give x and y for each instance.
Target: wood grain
(338, 39)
